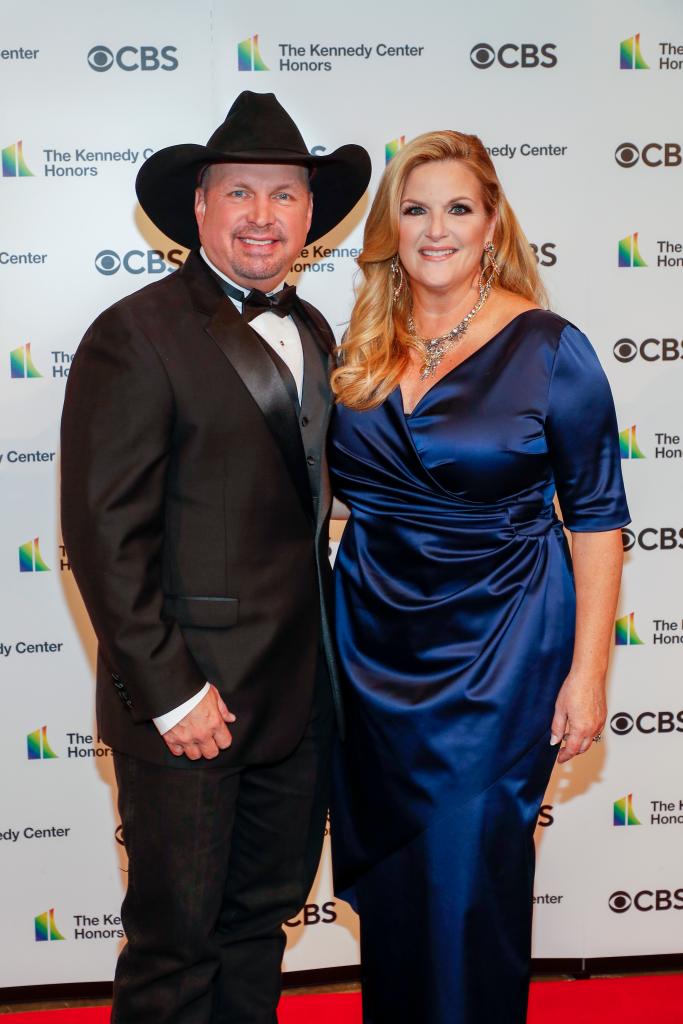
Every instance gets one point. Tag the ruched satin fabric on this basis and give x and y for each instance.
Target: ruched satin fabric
(455, 610)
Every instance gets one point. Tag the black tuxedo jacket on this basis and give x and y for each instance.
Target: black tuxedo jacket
(188, 519)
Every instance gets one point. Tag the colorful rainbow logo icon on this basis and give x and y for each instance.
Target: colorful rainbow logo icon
(629, 254)
(38, 747)
(21, 363)
(623, 811)
(46, 928)
(628, 445)
(625, 634)
(392, 148)
(630, 55)
(249, 56)
(13, 163)
(30, 558)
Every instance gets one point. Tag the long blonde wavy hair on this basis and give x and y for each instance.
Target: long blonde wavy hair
(377, 344)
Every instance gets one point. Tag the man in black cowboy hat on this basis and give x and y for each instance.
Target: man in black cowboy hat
(195, 505)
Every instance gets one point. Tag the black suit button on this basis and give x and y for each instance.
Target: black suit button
(310, 459)
(305, 421)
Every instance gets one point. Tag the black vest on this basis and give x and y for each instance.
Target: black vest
(314, 400)
(312, 410)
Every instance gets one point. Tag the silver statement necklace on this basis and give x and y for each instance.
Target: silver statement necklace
(434, 349)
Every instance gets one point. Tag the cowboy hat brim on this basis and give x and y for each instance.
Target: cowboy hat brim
(166, 183)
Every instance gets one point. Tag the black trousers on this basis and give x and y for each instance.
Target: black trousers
(218, 860)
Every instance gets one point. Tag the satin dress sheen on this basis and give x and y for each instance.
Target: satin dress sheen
(455, 612)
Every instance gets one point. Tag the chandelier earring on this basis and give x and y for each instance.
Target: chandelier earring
(489, 271)
(397, 279)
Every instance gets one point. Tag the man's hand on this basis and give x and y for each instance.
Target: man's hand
(203, 732)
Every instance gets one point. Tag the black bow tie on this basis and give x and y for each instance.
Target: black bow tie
(256, 302)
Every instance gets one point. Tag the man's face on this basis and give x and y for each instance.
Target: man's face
(253, 220)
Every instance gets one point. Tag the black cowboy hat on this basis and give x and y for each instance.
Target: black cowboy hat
(257, 130)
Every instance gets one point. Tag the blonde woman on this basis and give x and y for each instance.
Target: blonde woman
(472, 650)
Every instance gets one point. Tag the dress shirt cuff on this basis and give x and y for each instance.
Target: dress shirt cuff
(171, 718)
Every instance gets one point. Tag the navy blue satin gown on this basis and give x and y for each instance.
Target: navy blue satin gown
(455, 612)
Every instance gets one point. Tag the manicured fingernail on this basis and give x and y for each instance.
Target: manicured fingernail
(554, 740)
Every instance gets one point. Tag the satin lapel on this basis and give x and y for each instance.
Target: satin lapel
(259, 375)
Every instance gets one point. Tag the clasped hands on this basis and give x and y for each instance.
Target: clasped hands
(204, 731)
(580, 714)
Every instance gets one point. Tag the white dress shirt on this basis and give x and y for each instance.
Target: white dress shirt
(282, 335)
(280, 332)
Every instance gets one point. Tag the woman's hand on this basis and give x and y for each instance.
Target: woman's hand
(580, 709)
(580, 714)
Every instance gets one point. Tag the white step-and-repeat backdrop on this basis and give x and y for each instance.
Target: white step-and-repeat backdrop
(580, 106)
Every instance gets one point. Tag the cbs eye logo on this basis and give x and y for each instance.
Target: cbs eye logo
(625, 350)
(100, 58)
(133, 58)
(107, 262)
(621, 723)
(482, 55)
(628, 538)
(514, 55)
(654, 154)
(620, 902)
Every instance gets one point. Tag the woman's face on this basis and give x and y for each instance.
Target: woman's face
(443, 225)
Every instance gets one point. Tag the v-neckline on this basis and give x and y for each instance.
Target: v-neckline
(467, 359)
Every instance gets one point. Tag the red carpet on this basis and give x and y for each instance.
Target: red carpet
(600, 1001)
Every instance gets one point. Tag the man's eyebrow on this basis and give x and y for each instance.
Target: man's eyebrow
(275, 188)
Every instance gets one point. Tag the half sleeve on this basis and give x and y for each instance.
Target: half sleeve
(583, 439)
